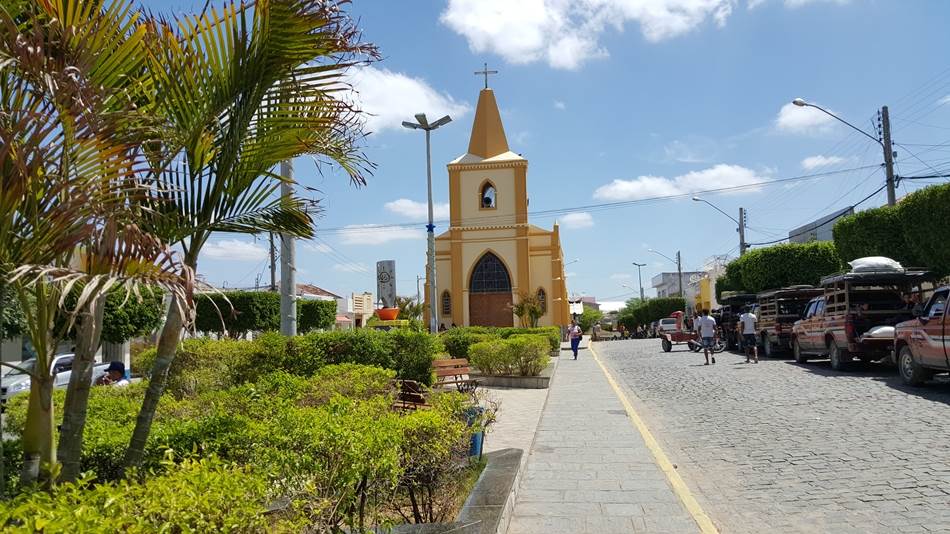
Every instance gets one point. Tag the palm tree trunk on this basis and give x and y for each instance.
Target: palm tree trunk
(167, 347)
(77, 394)
(39, 449)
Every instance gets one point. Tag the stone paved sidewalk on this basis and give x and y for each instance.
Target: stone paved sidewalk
(589, 470)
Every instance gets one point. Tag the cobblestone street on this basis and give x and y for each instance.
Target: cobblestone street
(780, 447)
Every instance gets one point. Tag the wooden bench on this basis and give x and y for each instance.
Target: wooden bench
(410, 395)
(454, 372)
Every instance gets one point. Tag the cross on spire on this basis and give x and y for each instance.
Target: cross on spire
(486, 72)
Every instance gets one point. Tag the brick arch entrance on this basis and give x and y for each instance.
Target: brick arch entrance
(489, 293)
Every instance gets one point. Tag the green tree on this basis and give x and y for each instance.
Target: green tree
(409, 309)
(315, 315)
(528, 309)
(239, 90)
(590, 317)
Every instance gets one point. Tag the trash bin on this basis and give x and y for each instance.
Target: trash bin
(478, 438)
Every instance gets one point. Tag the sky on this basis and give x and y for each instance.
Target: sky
(617, 104)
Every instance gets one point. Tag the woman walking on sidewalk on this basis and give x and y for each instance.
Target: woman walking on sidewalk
(575, 334)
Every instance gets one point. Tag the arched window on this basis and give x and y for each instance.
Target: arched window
(543, 300)
(486, 200)
(490, 276)
(446, 304)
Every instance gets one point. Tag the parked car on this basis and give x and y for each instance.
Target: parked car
(17, 381)
(921, 347)
(733, 304)
(855, 316)
(777, 312)
(666, 325)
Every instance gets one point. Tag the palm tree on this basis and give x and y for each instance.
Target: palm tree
(67, 172)
(409, 308)
(239, 90)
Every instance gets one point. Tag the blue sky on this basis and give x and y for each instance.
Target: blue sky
(624, 100)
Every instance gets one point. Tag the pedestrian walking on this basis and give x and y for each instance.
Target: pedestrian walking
(707, 331)
(575, 334)
(747, 323)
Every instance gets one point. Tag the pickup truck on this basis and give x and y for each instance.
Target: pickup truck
(855, 316)
(921, 345)
(16, 381)
(778, 311)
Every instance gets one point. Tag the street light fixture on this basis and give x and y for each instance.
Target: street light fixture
(885, 144)
(740, 221)
(423, 124)
(679, 267)
(640, 278)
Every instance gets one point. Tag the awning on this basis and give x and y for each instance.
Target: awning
(343, 319)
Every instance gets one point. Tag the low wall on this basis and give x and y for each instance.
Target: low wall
(541, 381)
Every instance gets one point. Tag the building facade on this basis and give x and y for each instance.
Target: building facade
(491, 254)
(820, 230)
(667, 284)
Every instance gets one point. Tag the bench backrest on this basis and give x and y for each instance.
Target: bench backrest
(450, 367)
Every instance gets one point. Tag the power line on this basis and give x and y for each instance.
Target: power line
(602, 206)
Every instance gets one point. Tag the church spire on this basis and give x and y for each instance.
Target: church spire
(488, 134)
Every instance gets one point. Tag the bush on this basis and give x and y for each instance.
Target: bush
(315, 315)
(458, 340)
(638, 312)
(195, 496)
(413, 353)
(925, 221)
(237, 312)
(780, 266)
(588, 318)
(874, 232)
(126, 316)
(523, 354)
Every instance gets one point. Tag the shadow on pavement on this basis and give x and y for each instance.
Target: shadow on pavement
(937, 390)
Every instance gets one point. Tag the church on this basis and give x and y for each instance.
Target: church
(491, 254)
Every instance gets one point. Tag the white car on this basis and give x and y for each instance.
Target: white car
(16, 381)
(667, 324)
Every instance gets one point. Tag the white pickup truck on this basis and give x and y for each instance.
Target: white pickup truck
(16, 381)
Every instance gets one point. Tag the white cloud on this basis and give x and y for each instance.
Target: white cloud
(371, 234)
(695, 149)
(814, 162)
(799, 3)
(944, 100)
(802, 120)
(716, 177)
(350, 267)
(566, 33)
(559, 105)
(570, 274)
(417, 211)
(392, 97)
(321, 248)
(577, 219)
(621, 276)
(234, 250)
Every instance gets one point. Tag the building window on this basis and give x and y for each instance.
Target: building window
(446, 304)
(542, 300)
(487, 196)
(490, 276)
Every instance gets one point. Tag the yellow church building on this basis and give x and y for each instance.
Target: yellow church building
(491, 254)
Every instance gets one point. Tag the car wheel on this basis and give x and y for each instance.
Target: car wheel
(912, 373)
(797, 351)
(766, 346)
(839, 357)
(667, 345)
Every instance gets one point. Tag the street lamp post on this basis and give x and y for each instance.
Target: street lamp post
(740, 222)
(640, 278)
(885, 144)
(679, 267)
(423, 124)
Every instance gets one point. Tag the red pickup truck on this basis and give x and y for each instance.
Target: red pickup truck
(855, 317)
(922, 345)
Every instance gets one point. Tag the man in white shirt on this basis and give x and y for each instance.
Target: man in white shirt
(707, 330)
(747, 324)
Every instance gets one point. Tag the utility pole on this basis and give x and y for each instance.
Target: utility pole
(418, 289)
(888, 156)
(679, 272)
(273, 264)
(742, 245)
(640, 278)
(288, 257)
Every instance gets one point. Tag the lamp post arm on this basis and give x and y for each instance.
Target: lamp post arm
(839, 119)
(715, 207)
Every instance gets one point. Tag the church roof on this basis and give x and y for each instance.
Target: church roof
(472, 158)
(488, 134)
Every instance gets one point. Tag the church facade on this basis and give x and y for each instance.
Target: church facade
(491, 254)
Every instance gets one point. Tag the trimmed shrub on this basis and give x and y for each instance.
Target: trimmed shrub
(925, 221)
(412, 354)
(315, 315)
(523, 354)
(488, 356)
(458, 340)
(125, 317)
(781, 266)
(874, 232)
(195, 496)
(237, 312)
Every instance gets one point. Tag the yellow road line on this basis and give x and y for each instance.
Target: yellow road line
(705, 524)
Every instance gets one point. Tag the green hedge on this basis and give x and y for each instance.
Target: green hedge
(458, 340)
(237, 312)
(521, 354)
(780, 266)
(875, 232)
(205, 364)
(315, 315)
